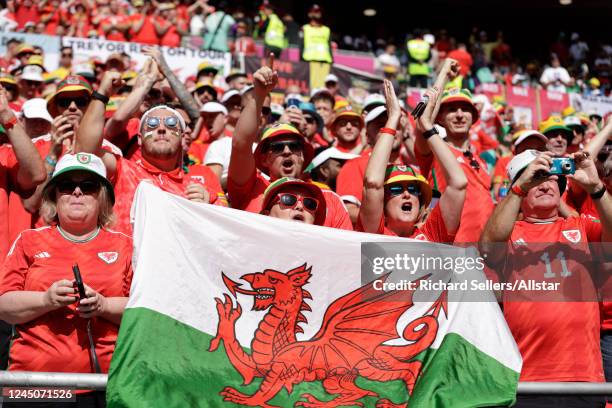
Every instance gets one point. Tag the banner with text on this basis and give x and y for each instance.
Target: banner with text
(49, 44)
(184, 61)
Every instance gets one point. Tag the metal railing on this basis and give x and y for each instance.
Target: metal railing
(98, 382)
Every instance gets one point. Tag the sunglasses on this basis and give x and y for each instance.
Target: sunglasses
(294, 146)
(67, 55)
(153, 122)
(32, 83)
(310, 120)
(473, 163)
(86, 186)
(265, 110)
(66, 102)
(344, 122)
(398, 189)
(289, 200)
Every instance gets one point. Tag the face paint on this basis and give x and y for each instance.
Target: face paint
(175, 133)
(148, 134)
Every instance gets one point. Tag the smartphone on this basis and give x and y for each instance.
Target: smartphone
(79, 281)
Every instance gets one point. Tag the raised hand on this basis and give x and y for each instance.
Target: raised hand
(586, 172)
(265, 78)
(111, 83)
(393, 107)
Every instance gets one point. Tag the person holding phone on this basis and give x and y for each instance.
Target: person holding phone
(38, 293)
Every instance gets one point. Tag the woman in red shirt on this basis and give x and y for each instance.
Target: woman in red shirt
(38, 294)
(396, 198)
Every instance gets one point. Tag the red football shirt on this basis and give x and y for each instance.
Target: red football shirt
(57, 341)
(433, 230)
(478, 204)
(250, 198)
(559, 340)
(130, 173)
(147, 33)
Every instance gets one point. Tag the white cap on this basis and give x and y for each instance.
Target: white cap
(246, 89)
(374, 113)
(373, 99)
(429, 39)
(572, 121)
(277, 109)
(519, 162)
(331, 78)
(213, 107)
(80, 162)
(330, 153)
(480, 98)
(317, 91)
(84, 69)
(525, 134)
(32, 73)
(36, 108)
(229, 94)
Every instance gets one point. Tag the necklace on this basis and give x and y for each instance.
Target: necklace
(78, 241)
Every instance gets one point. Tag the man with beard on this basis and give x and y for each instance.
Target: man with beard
(160, 136)
(282, 152)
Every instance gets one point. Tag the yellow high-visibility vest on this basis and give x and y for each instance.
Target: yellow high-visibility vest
(418, 51)
(275, 33)
(316, 44)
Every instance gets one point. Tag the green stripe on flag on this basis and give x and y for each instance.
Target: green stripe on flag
(165, 363)
(459, 375)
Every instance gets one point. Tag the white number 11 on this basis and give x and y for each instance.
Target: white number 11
(565, 272)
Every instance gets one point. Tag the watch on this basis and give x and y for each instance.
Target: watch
(97, 95)
(429, 133)
(598, 194)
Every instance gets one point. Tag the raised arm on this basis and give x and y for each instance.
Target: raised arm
(451, 202)
(448, 71)
(242, 161)
(31, 170)
(91, 130)
(372, 206)
(596, 143)
(177, 86)
(147, 77)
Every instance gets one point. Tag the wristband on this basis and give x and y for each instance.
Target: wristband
(10, 124)
(518, 191)
(388, 130)
(97, 95)
(429, 133)
(598, 194)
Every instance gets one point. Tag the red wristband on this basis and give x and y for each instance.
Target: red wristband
(518, 191)
(9, 125)
(388, 130)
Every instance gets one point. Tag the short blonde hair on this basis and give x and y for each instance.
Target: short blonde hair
(48, 208)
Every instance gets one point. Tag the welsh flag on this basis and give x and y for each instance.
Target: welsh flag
(229, 308)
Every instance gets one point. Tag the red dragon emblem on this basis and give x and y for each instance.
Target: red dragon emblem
(349, 344)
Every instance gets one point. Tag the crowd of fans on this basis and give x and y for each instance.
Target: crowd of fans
(574, 65)
(76, 143)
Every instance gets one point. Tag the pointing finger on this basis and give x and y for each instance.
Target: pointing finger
(271, 61)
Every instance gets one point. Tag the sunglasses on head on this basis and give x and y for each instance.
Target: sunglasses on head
(398, 189)
(295, 146)
(86, 186)
(289, 200)
(79, 102)
(153, 122)
(473, 163)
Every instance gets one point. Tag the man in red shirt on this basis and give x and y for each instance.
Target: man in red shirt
(463, 58)
(160, 135)
(556, 331)
(26, 11)
(282, 152)
(456, 115)
(142, 29)
(346, 127)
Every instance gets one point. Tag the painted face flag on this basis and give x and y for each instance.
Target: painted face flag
(229, 308)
